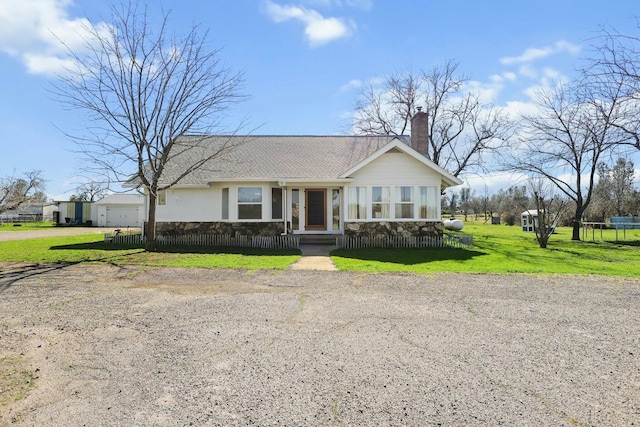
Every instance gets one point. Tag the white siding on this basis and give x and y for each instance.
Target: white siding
(393, 170)
(396, 169)
(205, 204)
(190, 205)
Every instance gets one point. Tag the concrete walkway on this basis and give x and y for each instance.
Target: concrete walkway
(315, 257)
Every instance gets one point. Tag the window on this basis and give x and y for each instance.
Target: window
(335, 209)
(404, 202)
(249, 203)
(428, 203)
(161, 197)
(295, 209)
(276, 203)
(357, 203)
(225, 203)
(381, 202)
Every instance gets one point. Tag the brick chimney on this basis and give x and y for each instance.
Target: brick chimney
(420, 132)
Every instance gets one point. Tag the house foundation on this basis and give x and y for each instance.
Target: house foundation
(220, 228)
(394, 229)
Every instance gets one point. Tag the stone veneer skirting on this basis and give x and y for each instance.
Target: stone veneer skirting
(400, 229)
(221, 228)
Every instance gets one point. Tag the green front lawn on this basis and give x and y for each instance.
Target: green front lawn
(91, 248)
(496, 249)
(505, 249)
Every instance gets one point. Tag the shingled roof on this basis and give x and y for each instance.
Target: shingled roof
(259, 158)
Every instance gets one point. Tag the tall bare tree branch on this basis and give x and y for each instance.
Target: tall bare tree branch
(461, 127)
(143, 88)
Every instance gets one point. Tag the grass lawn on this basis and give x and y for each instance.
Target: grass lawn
(496, 249)
(505, 249)
(22, 226)
(91, 248)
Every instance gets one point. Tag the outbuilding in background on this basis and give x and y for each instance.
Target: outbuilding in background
(119, 210)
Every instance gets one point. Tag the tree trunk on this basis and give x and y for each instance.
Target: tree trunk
(150, 242)
(576, 228)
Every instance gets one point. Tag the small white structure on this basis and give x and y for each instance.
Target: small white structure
(119, 210)
(529, 220)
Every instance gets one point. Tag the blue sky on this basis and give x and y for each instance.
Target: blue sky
(304, 61)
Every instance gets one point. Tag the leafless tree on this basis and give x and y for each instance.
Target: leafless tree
(564, 141)
(616, 64)
(461, 126)
(548, 209)
(143, 89)
(16, 191)
(89, 192)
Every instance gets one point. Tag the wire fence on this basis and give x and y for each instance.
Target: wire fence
(611, 231)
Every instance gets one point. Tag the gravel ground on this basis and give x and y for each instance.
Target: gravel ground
(131, 346)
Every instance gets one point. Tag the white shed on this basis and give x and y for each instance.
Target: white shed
(529, 220)
(120, 210)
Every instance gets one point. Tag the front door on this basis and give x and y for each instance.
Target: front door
(316, 211)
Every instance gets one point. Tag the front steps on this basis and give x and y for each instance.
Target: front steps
(318, 239)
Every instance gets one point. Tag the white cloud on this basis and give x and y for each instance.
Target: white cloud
(535, 53)
(318, 29)
(36, 31)
(354, 84)
(357, 4)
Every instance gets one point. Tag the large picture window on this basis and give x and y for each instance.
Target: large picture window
(381, 202)
(357, 202)
(249, 203)
(428, 203)
(404, 202)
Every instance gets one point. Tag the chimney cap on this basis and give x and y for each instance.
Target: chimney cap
(419, 108)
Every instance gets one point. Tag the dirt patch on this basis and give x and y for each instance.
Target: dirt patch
(108, 345)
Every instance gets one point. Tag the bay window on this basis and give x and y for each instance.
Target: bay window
(404, 202)
(381, 202)
(357, 203)
(428, 203)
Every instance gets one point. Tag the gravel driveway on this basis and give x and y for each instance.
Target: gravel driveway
(132, 346)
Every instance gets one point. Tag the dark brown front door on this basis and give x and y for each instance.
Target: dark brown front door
(316, 211)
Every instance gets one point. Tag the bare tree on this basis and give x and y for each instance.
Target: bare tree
(143, 89)
(564, 141)
(548, 210)
(616, 63)
(16, 192)
(461, 126)
(89, 192)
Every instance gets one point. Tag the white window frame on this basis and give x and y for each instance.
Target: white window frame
(251, 203)
(399, 203)
(382, 203)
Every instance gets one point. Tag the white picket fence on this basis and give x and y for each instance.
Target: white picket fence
(461, 241)
(211, 240)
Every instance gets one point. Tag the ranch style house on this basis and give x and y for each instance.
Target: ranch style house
(276, 185)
